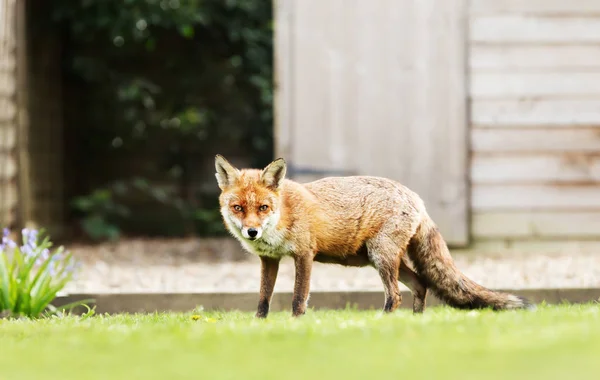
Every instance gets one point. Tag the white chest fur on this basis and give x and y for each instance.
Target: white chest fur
(271, 244)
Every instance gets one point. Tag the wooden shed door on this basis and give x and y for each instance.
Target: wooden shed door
(377, 88)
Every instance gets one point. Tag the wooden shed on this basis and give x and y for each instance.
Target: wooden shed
(489, 109)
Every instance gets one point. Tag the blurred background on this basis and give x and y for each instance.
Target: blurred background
(111, 113)
(127, 102)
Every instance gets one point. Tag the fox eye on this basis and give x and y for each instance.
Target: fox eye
(238, 208)
(263, 208)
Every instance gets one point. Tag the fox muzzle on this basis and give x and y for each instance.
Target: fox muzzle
(251, 233)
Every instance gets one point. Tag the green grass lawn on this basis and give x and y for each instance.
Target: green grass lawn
(554, 342)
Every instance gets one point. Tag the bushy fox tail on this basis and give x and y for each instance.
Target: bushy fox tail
(432, 260)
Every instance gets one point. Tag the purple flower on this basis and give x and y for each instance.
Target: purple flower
(54, 263)
(52, 268)
(30, 241)
(6, 241)
(44, 255)
(33, 236)
(73, 266)
(30, 237)
(27, 250)
(69, 268)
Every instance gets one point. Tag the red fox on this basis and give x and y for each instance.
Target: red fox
(352, 221)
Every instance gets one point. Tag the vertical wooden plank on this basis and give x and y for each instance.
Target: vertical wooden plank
(312, 141)
(26, 196)
(415, 114)
(8, 121)
(282, 68)
(320, 87)
(382, 105)
(346, 31)
(442, 124)
(338, 60)
(45, 140)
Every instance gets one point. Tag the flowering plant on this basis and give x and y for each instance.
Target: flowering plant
(32, 274)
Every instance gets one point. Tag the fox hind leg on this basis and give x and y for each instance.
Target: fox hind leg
(383, 255)
(389, 277)
(408, 277)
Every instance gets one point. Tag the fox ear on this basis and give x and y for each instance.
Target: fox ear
(226, 173)
(274, 173)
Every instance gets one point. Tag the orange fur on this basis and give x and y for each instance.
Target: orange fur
(352, 221)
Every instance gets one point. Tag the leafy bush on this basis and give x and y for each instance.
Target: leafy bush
(32, 274)
(153, 88)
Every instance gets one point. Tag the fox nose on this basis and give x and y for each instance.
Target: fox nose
(252, 232)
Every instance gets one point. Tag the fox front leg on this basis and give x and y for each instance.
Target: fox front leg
(268, 275)
(303, 266)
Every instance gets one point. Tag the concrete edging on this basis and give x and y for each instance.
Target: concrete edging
(115, 303)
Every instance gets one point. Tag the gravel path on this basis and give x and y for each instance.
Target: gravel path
(218, 265)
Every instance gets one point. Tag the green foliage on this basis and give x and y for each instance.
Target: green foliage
(31, 275)
(154, 88)
(98, 207)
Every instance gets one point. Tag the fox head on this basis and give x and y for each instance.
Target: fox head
(249, 200)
